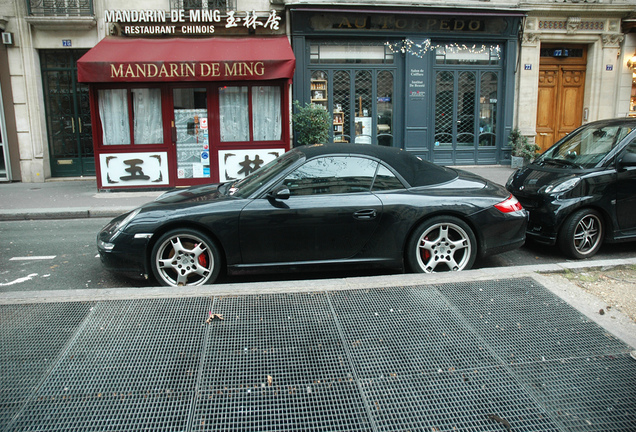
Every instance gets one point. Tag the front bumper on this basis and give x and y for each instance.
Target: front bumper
(126, 255)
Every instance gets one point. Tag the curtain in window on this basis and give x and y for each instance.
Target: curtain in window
(148, 125)
(113, 113)
(234, 114)
(266, 113)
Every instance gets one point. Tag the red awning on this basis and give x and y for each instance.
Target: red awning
(213, 59)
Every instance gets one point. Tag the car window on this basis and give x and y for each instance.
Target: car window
(386, 180)
(586, 147)
(332, 175)
(245, 187)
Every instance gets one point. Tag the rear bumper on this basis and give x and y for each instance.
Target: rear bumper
(502, 232)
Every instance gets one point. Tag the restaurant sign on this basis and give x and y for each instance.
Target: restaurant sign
(189, 22)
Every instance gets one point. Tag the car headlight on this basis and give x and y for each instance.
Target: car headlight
(118, 226)
(561, 187)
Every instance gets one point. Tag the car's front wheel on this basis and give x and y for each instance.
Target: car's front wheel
(582, 233)
(185, 257)
(442, 243)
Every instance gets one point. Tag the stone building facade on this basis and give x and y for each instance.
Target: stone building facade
(566, 64)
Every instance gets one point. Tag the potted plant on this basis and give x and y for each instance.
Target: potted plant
(311, 124)
(523, 150)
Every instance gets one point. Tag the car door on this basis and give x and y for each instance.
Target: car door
(330, 214)
(626, 191)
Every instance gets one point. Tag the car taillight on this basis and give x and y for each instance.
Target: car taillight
(510, 205)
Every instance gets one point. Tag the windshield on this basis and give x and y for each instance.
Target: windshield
(245, 187)
(586, 147)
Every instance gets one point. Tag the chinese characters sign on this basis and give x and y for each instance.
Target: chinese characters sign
(134, 169)
(236, 164)
(192, 21)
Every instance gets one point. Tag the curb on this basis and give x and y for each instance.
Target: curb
(69, 213)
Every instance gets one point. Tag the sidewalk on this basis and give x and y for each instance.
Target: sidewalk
(71, 199)
(66, 200)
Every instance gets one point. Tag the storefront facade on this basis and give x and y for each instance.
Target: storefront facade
(573, 68)
(170, 112)
(437, 83)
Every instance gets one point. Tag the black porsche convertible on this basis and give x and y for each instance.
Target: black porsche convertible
(318, 207)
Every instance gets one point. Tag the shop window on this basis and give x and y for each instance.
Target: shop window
(318, 89)
(341, 107)
(363, 101)
(266, 113)
(234, 114)
(444, 102)
(466, 109)
(456, 54)
(148, 124)
(385, 108)
(117, 105)
(113, 113)
(488, 110)
(358, 53)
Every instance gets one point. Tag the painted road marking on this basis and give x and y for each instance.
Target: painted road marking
(33, 258)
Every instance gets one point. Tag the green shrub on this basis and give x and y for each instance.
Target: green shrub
(311, 124)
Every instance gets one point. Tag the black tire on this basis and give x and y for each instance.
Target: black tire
(185, 257)
(582, 234)
(442, 243)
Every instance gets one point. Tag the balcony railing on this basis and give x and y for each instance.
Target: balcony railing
(60, 8)
(221, 5)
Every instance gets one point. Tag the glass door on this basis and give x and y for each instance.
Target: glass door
(191, 134)
(68, 116)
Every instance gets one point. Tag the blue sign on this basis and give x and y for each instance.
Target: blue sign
(66, 43)
(527, 67)
(609, 67)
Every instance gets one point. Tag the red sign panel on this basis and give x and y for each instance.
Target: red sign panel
(213, 59)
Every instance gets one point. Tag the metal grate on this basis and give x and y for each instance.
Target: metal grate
(478, 356)
(31, 339)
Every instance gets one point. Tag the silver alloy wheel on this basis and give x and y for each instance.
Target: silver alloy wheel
(444, 243)
(587, 234)
(184, 259)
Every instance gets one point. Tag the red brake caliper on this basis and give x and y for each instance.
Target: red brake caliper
(203, 259)
(426, 254)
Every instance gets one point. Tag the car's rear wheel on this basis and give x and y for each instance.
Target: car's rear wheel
(442, 243)
(582, 233)
(185, 257)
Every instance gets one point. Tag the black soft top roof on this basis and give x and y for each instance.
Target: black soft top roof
(416, 171)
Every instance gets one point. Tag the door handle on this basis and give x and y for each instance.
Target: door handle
(73, 124)
(365, 214)
(79, 121)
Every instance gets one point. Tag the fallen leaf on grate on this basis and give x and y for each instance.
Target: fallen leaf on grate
(214, 316)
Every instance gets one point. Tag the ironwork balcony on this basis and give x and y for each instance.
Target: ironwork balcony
(60, 8)
(221, 5)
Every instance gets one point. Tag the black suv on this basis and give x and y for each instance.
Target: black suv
(582, 190)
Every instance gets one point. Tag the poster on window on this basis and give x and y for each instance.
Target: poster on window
(236, 164)
(192, 142)
(363, 130)
(134, 169)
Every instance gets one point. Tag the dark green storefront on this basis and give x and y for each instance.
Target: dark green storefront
(439, 83)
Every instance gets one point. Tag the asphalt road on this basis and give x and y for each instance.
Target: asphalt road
(61, 254)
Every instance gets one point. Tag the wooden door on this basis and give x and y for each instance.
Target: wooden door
(560, 102)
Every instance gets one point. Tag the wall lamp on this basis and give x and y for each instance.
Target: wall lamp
(631, 63)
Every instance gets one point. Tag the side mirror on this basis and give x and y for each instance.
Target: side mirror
(627, 160)
(280, 193)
